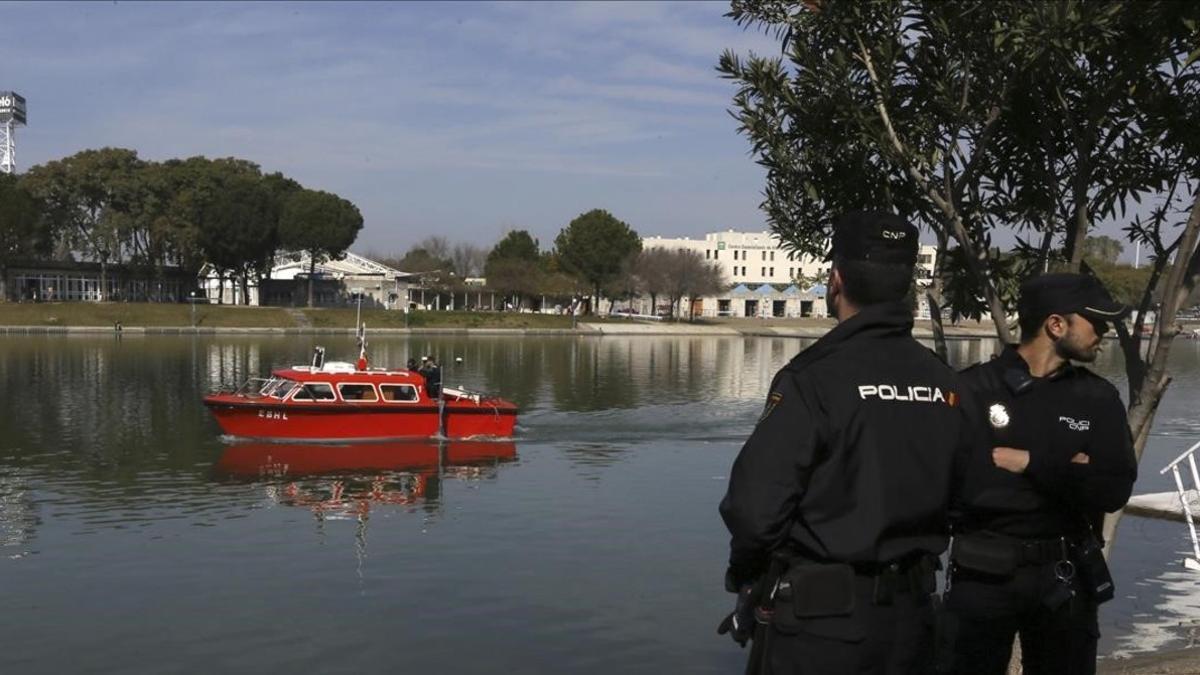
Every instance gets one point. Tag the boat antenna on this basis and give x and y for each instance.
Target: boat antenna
(360, 329)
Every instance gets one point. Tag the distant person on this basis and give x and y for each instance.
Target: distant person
(1027, 556)
(433, 376)
(837, 503)
(433, 380)
(412, 366)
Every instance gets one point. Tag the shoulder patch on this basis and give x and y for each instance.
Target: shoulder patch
(772, 400)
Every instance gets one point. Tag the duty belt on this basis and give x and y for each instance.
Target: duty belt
(1041, 551)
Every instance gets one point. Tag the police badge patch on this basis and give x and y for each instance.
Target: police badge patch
(998, 416)
(772, 400)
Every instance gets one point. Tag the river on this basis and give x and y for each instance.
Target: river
(134, 539)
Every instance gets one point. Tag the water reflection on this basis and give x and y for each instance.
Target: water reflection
(346, 481)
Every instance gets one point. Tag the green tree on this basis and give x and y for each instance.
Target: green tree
(91, 198)
(23, 231)
(516, 245)
(321, 224)
(239, 229)
(1046, 117)
(512, 266)
(595, 245)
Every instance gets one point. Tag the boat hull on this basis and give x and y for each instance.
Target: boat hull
(257, 419)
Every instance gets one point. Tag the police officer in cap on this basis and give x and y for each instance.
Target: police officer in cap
(1026, 557)
(837, 503)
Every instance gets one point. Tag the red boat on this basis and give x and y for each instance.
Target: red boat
(341, 401)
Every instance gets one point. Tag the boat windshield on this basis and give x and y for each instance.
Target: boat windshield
(282, 388)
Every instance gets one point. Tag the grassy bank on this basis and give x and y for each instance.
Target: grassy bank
(380, 318)
(141, 314)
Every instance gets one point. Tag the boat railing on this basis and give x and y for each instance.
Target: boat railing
(1188, 499)
(460, 394)
(253, 387)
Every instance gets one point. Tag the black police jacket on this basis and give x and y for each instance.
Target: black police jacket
(1055, 417)
(851, 460)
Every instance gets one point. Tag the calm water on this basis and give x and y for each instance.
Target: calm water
(133, 539)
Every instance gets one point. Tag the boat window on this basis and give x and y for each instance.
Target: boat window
(318, 391)
(282, 389)
(357, 392)
(398, 392)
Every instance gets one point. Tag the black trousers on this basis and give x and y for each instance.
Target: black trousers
(989, 613)
(876, 639)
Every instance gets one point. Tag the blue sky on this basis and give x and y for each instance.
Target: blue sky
(456, 119)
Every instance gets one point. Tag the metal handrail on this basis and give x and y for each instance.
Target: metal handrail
(1184, 501)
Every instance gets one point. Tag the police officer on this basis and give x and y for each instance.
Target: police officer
(837, 503)
(1026, 557)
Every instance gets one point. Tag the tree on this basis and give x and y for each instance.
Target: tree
(1101, 250)
(90, 198)
(239, 229)
(467, 260)
(688, 275)
(650, 267)
(595, 245)
(1047, 117)
(516, 245)
(23, 231)
(321, 224)
(512, 265)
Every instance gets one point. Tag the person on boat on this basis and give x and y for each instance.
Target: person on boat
(433, 378)
(837, 503)
(412, 366)
(1027, 555)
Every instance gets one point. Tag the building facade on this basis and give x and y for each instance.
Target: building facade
(67, 281)
(335, 283)
(764, 278)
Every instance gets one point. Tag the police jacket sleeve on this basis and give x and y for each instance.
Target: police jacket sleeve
(1106, 481)
(768, 478)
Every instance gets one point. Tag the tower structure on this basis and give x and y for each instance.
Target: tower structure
(12, 115)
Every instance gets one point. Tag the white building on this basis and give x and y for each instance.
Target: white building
(765, 279)
(381, 286)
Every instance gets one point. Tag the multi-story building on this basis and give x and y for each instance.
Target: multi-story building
(764, 278)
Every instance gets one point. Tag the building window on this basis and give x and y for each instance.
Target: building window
(716, 254)
(772, 269)
(743, 270)
(763, 273)
(764, 255)
(772, 256)
(735, 255)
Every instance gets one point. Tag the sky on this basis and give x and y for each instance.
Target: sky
(463, 120)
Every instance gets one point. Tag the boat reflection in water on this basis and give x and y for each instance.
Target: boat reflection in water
(345, 481)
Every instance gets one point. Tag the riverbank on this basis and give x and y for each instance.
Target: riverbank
(174, 319)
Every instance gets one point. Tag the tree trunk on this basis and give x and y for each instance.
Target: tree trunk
(220, 288)
(245, 288)
(1143, 402)
(933, 297)
(312, 270)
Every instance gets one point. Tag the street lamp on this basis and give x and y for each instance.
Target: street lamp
(192, 300)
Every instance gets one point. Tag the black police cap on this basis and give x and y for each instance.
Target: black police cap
(875, 237)
(1067, 293)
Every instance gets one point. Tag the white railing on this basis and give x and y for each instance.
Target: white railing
(1192, 563)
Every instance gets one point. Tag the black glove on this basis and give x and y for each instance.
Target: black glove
(740, 622)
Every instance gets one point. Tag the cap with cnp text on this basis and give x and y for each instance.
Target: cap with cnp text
(1067, 293)
(874, 236)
